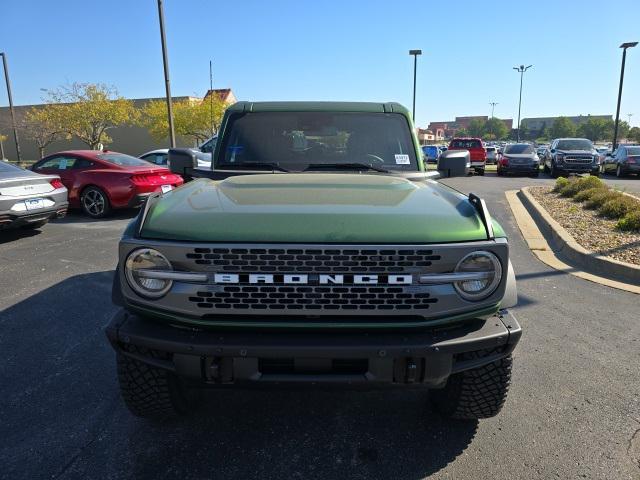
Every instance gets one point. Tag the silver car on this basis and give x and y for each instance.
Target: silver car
(28, 199)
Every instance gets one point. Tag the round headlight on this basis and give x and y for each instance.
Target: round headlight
(489, 271)
(147, 259)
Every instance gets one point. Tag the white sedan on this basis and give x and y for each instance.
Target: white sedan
(161, 157)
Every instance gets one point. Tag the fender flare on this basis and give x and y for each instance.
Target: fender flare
(510, 298)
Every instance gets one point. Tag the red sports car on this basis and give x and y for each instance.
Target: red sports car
(99, 181)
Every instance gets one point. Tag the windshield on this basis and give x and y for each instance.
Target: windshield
(7, 167)
(574, 144)
(123, 160)
(296, 140)
(518, 148)
(633, 150)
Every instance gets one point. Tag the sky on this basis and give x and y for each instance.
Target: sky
(355, 50)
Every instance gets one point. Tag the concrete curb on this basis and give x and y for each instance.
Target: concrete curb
(584, 259)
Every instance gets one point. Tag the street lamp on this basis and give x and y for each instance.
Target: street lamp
(624, 47)
(13, 116)
(493, 105)
(521, 69)
(165, 62)
(415, 54)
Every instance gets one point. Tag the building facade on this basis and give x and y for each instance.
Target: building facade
(449, 129)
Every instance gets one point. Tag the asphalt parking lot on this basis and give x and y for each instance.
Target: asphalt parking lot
(573, 410)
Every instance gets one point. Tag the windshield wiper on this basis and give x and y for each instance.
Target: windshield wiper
(270, 166)
(344, 166)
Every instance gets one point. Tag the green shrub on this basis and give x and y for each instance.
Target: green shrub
(618, 207)
(577, 185)
(600, 198)
(584, 195)
(561, 182)
(630, 222)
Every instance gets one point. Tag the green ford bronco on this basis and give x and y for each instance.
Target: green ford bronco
(316, 250)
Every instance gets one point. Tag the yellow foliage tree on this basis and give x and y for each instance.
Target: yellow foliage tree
(3, 138)
(44, 125)
(194, 119)
(89, 110)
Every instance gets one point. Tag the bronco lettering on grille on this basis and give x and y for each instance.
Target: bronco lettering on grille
(315, 279)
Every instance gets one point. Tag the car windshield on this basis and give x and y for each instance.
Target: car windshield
(518, 148)
(574, 144)
(123, 160)
(297, 141)
(466, 144)
(633, 150)
(491, 149)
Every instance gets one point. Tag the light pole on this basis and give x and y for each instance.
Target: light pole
(493, 105)
(521, 69)
(629, 115)
(415, 54)
(211, 96)
(624, 47)
(165, 61)
(13, 115)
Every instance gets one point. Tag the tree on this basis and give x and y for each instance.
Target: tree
(562, 127)
(462, 132)
(476, 127)
(191, 118)
(596, 129)
(3, 138)
(89, 110)
(634, 134)
(44, 125)
(496, 127)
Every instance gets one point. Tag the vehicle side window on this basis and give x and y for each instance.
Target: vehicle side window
(156, 158)
(56, 163)
(82, 163)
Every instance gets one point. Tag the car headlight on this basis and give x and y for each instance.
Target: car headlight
(488, 272)
(147, 259)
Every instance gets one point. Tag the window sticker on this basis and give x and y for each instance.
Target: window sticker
(402, 159)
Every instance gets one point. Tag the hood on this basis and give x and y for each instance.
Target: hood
(314, 208)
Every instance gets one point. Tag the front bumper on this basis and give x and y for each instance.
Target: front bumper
(424, 358)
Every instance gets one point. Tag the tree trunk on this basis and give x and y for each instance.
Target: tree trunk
(41, 150)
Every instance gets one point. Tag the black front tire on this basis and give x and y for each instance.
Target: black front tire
(151, 392)
(554, 171)
(474, 394)
(480, 171)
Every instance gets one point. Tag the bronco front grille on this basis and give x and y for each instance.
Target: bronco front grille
(312, 297)
(313, 260)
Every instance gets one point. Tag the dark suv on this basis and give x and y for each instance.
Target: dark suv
(571, 155)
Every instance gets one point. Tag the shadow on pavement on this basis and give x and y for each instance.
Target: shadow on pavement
(13, 234)
(76, 216)
(60, 402)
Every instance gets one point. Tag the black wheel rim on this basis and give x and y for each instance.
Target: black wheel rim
(93, 202)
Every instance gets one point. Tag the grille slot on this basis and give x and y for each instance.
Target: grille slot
(312, 260)
(578, 159)
(313, 297)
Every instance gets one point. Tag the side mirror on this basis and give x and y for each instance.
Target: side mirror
(608, 154)
(456, 163)
(553, 150)
(182, 161)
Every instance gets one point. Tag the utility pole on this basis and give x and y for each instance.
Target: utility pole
(624, 47)
(415, 54)
(165, 61)
(13, 115)
(521, 69)
(211, 95)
